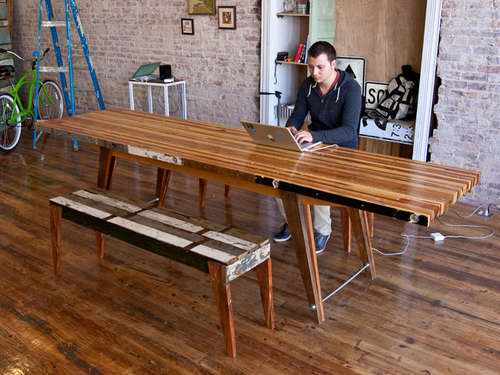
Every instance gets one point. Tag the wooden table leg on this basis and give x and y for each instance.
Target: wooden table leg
(162, 181)
(202, 191)
(346, 228)
(300, 224)
(107, 163)
(361, 230)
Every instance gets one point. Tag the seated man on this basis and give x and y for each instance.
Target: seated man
(333, 98)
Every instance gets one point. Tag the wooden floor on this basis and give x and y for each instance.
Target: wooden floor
(434, 310)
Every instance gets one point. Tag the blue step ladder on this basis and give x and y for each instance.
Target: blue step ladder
(69, 97)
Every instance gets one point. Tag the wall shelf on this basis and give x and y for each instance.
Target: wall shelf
(291, 14)
(290, 63)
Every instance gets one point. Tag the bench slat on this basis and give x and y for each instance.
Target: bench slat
(247, 236)
(231, 240)
(109, 201)
(150, 232)
(172, 221)
(212, 253)
(248, 262)
(207, 224)
(80, 207)
(174, 231)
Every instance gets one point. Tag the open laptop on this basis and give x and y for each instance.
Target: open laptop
(275, 136)
(145, 72)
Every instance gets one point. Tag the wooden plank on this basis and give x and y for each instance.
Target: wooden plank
(162, 227)
(150, 232)
(194, 220)
(91, 211)
(211, 252)
(247, 263)
(172, 221)
(107, 200)
(231, 240)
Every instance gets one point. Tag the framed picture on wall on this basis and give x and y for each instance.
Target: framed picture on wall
(201, 6)
(227, 17)
(187, 26)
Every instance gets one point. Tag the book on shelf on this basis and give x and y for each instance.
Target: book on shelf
(303, 55)
(306, 49)
(299, 52)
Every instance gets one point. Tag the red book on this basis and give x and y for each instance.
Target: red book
(299, 52)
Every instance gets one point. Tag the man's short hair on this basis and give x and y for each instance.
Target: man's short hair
(321, 47)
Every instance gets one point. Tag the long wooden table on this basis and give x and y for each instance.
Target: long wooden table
(408, 190)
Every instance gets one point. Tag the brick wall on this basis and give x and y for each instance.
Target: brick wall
(468, 110)
(221, 67)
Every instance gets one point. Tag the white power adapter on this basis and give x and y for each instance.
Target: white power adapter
(437, 237)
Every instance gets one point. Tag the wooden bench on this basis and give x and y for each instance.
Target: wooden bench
(224, 252)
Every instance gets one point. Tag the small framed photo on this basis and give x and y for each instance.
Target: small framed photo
(201, 6)
(227, 17)
(187, 26)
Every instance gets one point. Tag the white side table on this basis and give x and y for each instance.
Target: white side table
(165, 85)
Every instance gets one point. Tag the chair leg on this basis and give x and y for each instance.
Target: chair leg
(162, 181)
(55, 236)
(346, 229)
(264, 277)
(223, 300)
(202, 191)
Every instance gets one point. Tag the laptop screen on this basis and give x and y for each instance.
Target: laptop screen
(275, 136)
(146, 71)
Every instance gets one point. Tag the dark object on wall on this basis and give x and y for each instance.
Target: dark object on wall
(281, 56)
(227, 17)
(165, 71)
(187, 26)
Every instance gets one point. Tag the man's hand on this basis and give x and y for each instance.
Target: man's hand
(293, 130)
(303, 136)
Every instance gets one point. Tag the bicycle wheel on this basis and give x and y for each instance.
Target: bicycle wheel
(50, 101)
(10, 132)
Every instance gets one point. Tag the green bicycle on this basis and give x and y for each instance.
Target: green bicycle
(12, 112)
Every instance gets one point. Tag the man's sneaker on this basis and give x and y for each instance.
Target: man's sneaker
(283, 235)
(320, 241)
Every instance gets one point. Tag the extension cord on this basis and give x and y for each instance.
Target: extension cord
(437, 237)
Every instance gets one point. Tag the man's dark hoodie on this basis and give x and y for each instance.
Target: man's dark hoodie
(335, 117)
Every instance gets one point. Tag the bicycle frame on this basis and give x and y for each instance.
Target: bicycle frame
(25, 113)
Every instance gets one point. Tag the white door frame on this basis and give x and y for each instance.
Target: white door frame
(427, 79)
(427, 72)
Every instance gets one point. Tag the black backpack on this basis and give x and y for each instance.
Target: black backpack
(400, 101)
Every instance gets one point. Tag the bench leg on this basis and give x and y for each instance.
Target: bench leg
(55, 236)
(264, 276)
(223, 300)
(100, 244)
